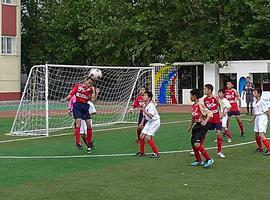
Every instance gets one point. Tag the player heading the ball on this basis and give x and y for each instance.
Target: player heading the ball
(83, 92)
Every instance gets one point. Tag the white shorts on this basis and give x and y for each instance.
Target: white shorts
(83, 128)
(260, 124)
(151, 127)
(224, 121)
(92, 108)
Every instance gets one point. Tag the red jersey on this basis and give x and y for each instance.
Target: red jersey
(213, 105)
(196, 112)
(232, 97)
(82, 92)
(138, 103)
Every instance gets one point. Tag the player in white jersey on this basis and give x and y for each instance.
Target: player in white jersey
(150, 114)
(260, 119)
(225, 107)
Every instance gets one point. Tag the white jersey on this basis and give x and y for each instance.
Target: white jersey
(261, 120)
(151, 108)
(260, 107)
(224, 103)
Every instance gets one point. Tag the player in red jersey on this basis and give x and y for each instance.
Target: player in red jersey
(233, 97)
(199, 128)
(212, 104)
(138, 103)
(83, 92)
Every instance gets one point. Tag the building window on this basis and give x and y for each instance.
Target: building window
(9, 45)
(262, 81)
(8, 1)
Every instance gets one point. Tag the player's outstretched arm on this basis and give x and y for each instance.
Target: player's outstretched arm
(67, 98)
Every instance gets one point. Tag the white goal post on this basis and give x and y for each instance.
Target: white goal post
(40, 111)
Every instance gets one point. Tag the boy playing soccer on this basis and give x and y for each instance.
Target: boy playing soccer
(233, 96)
(83, 92)
(212, 104)
(92, 112)
(225, 107)
(138, 103)
(150, 114)
(260, 119)
(200, 117)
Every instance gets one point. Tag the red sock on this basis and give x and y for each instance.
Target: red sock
(139, 130)
(204, 152)
(219, 143)
(196, 154)
(89, 135)
(266, 144)
(259, 142)
(153, 145)
(142, 145)
(240, 123)
(228, 133)
(77, 135)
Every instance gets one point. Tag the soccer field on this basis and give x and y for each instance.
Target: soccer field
(52, 168)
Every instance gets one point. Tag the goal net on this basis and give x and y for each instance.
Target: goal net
(40, 111)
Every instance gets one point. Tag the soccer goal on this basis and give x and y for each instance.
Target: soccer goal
(40, 111)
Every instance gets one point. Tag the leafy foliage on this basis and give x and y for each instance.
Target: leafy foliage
(138, 32)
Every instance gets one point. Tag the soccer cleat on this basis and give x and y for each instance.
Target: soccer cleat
(155, 155)
(259, 150)
(79, 146)
(242, 134)
(197, 163)
(140, 154)
(267, 153)
(89, 150)
(221, 155)
(208, 163)
(229, 140)
(91, 145)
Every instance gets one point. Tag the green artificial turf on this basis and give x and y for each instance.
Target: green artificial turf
(242, 175)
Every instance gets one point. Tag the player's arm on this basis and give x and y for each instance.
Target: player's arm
(142, 122)
(134, 105)
(95, 94)
(227, 108)
(71, 94)
(148, 113)
(252, 119)
(190, 125)
(206, 113)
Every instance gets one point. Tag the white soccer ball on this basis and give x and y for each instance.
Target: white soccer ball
(95, 74)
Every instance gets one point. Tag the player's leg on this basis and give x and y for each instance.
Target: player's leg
(83, 131)
(139, 129)
(152, 128)
(247, 106)
(227, 133)
(89, 135)
(77, 114)
(195, 138)
(258, 142)
(265, 142)
(219, 141)
(240, 123)
(141, 152)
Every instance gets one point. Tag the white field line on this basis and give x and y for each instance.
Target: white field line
(100, 130)
(111, 155)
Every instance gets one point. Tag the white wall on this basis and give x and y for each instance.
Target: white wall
(211, 75)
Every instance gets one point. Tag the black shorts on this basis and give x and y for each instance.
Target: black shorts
(140, 118)
(214, 126)
(198, 133)
(81, 111)
(233, 113)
